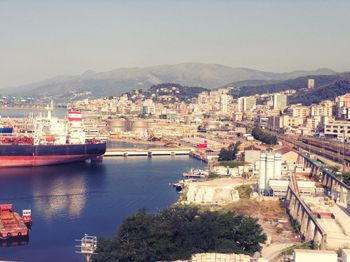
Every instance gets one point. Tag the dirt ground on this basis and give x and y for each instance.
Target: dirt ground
(271, 216)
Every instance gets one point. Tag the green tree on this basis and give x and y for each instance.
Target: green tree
(230, 153)
(178, 232)
(264, 136)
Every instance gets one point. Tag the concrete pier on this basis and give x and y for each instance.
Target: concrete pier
(125, 152)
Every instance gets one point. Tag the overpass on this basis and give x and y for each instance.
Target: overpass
(327, 178)
(309, 226)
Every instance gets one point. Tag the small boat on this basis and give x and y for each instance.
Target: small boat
(12, 225)
(178, 186)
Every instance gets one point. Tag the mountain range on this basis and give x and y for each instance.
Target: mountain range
(122, 80)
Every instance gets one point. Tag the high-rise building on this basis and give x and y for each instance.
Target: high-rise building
(311, 83)
(224, 104)
(246, 103)
(279, 101)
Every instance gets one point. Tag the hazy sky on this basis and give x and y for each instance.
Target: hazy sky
(44, 38)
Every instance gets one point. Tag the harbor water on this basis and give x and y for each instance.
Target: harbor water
(70, 200)
(23, 113)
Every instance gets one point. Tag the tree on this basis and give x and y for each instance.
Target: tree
(230, 153)
(178, 232)
(264, 136)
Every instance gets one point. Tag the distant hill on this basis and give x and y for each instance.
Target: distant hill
(291, 84)
(122, 80)
(338, 87)
(327, 87)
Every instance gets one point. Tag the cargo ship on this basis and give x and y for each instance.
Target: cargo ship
(12, 225)
(52, 141)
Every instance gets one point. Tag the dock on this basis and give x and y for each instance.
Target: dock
(149, 152)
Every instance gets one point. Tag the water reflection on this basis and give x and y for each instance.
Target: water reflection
(59, 194)
(55, 190)
(15, 242)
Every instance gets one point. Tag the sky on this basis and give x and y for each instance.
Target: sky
(40, 39)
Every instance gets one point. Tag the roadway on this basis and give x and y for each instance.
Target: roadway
(337, 229)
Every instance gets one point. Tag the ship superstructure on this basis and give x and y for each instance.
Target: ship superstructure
(52, 141)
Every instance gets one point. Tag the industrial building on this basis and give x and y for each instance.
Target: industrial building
(270, 167)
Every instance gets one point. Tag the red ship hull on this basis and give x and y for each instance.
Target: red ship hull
(27, 161)
(43, 155)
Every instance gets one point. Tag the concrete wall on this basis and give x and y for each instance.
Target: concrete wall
(345, 255)
(302, 255)
(217, 257)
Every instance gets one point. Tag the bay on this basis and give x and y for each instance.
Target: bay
(70, 200)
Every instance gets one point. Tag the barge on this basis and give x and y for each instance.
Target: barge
(12, 225)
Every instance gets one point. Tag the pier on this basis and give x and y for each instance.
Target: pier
(149, 152)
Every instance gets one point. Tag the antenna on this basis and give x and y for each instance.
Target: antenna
(87, 247)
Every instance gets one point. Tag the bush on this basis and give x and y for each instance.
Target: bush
(213, 175)
(244, 191)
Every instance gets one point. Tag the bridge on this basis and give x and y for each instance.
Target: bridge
(309, 226)
(149, 152)
(333, 184)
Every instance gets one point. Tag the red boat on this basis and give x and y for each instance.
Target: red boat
(11, 223)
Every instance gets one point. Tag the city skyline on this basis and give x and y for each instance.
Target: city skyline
(43, 40)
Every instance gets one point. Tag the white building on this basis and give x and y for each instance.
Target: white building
(311, 83)
(246, 103)
(224, 103)
(279, 101)
(338, 129)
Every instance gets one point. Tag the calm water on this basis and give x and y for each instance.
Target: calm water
(58, 112)
(70, 200)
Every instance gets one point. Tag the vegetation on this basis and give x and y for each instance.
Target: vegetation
(178, 232)
(334, 168)
(316, 95)
(245, 191)
(230, 153)
(327, 87)
(346, 178)
(292, 84)
(263, 136)
(213, 175)
(305, 245)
